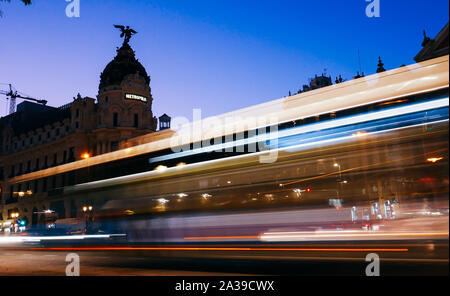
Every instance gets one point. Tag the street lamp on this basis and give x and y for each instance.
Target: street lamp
(23, 193)
(85, 155)
(87, 215)
(87, 208)
(337, 165)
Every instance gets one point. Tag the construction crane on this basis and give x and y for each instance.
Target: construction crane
(12, 95)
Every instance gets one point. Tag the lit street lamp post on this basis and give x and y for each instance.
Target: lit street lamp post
(87, 210)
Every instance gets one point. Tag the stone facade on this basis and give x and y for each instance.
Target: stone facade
(37, 137)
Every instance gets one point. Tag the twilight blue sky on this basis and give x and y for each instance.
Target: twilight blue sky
(217, 55)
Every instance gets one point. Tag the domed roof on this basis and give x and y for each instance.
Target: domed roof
(122, 65)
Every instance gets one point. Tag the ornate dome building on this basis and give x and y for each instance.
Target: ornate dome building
(123, 64)
(37, 137)
(124, 101)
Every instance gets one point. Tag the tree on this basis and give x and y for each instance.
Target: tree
(26, 2)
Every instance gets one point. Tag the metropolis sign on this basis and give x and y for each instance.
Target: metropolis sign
(135, 97)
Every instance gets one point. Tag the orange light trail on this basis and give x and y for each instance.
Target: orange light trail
(222, 249)
(392, 102)
(222, 237)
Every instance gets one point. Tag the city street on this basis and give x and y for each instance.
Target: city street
(219, 260)
(221, 140)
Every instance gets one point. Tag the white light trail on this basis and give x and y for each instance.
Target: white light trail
(440, 103)
(11, 239)
(366, 117)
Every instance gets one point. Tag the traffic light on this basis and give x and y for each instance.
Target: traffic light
(308, 189)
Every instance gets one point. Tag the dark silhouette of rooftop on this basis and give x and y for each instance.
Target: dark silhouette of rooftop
(30, 116)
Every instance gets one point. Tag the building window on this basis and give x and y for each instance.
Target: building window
(46, 161)
(71, 178)
(48, 135)
(28, 166)
(114, 146)
(77, 124)
(64, 156)
(136, 120)
(55, 159)
(71, 154)
(53, 182)
(77, 113)
(115, 119)
(44, 185)
(12, 171)
(39, 138)
(36, 168)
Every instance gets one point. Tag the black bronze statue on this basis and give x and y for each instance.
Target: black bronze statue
(126, 32)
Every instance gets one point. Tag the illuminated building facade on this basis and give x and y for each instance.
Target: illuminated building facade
(37, 137)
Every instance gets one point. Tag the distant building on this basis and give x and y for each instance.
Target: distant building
(317, 82)
(164, 122)
(359, 75)
(433, 48)
(37, 137)
(380, 67)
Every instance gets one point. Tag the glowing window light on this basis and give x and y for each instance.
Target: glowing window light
(434, 159)
(129, 212)
(86, 155)
(160, 168)
(359, 134)
(206, 195)
(298, 191)
(163, 200)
